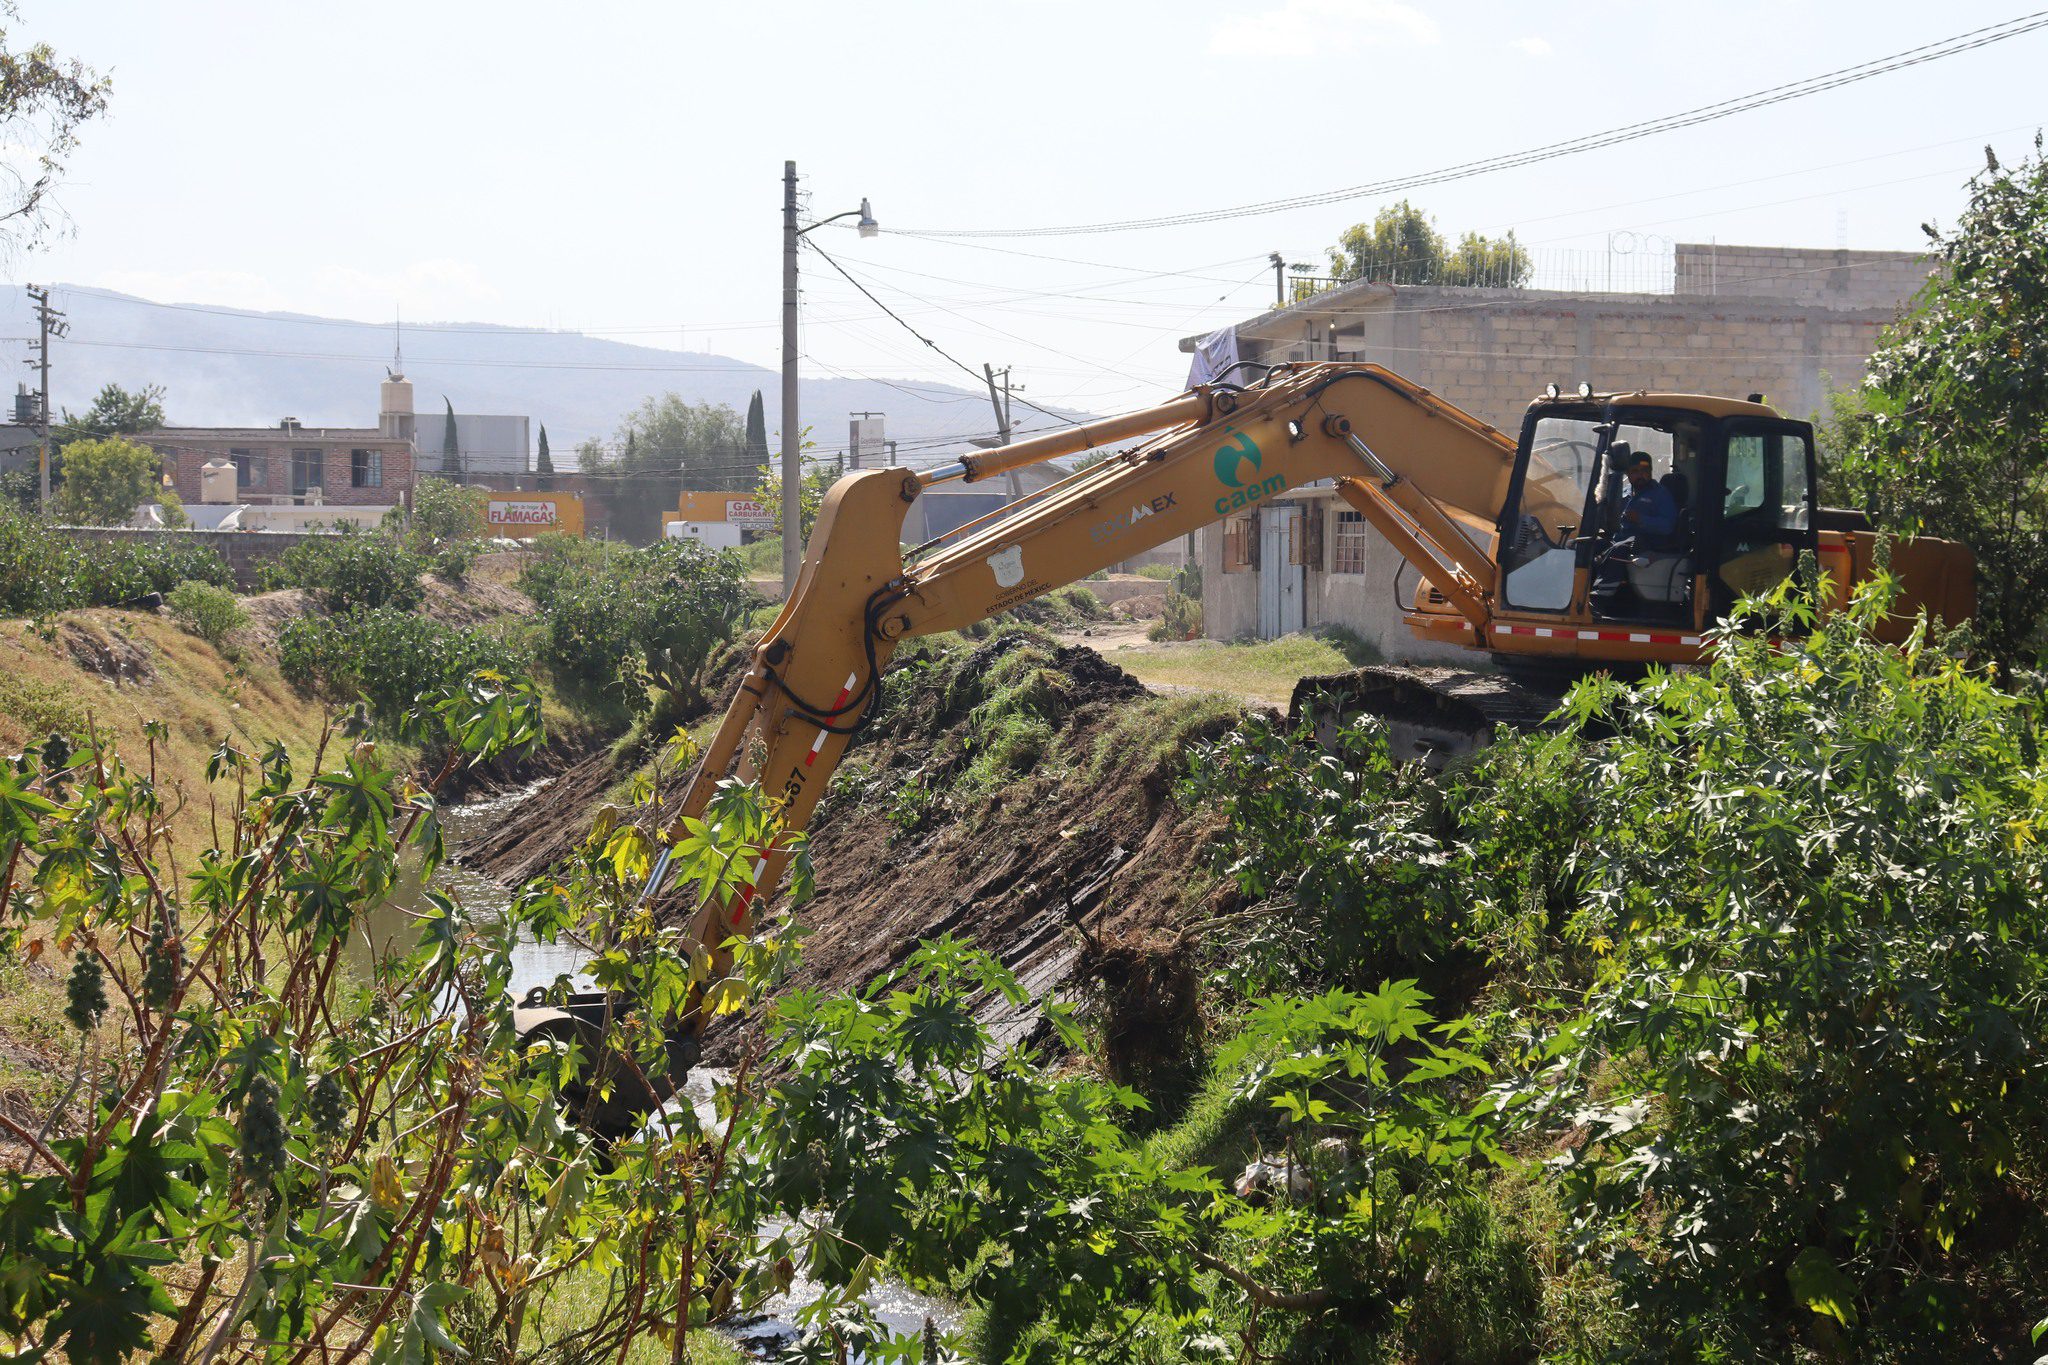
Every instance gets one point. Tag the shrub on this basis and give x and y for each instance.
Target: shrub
(45, 570)
(1343, 835)
(614, 620)
(105, 480)
(209, 612)
(387, 657)
(1181, 618)
(443, 511)
(350, 569)
(1813, 1068)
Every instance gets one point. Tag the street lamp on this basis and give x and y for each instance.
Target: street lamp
(792, 471)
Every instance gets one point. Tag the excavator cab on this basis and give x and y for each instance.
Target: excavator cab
(1667, 508)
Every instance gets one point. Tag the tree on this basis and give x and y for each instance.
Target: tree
(1950, 437)
(543, 463)
(810, 493)
(1402, 246)
(114, 412)
(1399, 246)
(1487, 262)
(444, 511)
(757, 432)
(106, 479)
(451, 446)
(663, 447)
(44, 101)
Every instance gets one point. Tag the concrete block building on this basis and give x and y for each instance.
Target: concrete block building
(1791, 324)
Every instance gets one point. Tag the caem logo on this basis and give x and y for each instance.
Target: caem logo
(1237, 466)
(1232, 458)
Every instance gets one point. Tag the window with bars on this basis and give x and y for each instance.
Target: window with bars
(1240, 544)
(1347, 542)
(309, 468)
(366, 468)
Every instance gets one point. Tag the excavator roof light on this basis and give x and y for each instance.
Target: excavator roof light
(1585, 389)
(1550, 389)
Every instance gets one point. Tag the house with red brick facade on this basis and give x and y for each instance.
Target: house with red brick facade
(291, 463)
(288, 463)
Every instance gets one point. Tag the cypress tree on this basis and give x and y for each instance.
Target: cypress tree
(451, 449)
(757, 432)
(543, 463)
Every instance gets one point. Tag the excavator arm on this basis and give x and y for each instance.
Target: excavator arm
(1410, 463)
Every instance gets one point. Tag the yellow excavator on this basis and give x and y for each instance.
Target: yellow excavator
(1553, 549)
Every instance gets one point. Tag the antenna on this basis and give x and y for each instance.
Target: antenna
(397, 367)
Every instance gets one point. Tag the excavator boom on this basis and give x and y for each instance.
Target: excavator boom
(816, 675)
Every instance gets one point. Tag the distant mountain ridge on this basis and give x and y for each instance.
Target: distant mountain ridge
(246, 368)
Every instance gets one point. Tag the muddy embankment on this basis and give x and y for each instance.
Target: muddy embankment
(1016, 795)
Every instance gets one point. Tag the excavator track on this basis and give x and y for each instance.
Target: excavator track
(1432, 714)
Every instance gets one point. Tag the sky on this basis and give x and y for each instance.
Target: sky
(616, 168)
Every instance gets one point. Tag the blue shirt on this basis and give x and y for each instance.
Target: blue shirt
(1652, 511)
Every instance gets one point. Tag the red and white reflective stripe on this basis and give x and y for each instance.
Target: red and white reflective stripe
(837, 702)
(1634, 637)
(745, 898)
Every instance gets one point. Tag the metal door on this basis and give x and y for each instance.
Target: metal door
(1280, 571)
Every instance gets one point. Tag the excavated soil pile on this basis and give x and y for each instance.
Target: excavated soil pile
(1078, 846)
(1015, 795)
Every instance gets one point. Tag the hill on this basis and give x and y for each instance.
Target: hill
(235, 367)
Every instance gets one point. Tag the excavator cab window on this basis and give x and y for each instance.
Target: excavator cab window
(1562, 510)
(1765, 512)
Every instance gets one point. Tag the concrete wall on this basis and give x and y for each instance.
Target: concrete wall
(245, 551)
(1841, 279)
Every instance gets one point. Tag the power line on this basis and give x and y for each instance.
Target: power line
(920, 335)
(1708, 113)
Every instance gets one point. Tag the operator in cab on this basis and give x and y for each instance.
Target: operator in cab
(1649, 512)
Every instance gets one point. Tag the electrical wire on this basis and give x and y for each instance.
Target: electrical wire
(1057, 417)
(1779, 94)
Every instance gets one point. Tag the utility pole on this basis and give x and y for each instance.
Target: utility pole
(792, 463)
(1002, 414)
(51, 323)
(1002, 407)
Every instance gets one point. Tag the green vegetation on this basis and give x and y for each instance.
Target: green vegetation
(44, 103)
(616, 622)
(43, 571)
(1492, 1065)
(1402, 246)
(817, 482)
(1161, 572)
(1949, 434)
(115, 411)
(351, 570)
(105, 480)
(212, 613)
(663, 447)
(259, 1146)
(388, 657)
(1181, 617)
(1264, 670)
